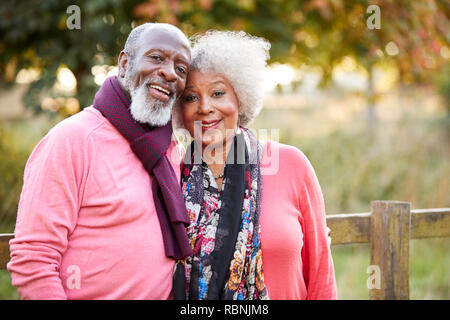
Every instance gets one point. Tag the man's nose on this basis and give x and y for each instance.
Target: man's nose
(167, 71)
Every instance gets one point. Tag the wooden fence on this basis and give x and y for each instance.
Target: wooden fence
(388, 229)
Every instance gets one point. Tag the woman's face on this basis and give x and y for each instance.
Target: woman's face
(210, 107)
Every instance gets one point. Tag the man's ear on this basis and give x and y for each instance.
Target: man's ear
(123, 63)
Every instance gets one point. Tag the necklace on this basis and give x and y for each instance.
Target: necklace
(220, 175)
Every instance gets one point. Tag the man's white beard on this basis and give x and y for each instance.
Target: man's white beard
(149, 110)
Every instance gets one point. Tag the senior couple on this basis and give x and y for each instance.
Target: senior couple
(113, 207)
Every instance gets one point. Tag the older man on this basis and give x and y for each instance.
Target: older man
(101, 215)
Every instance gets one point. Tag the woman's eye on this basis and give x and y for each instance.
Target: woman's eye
(218, 93)
(190, 98)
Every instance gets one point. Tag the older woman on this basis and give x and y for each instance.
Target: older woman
(258, 227)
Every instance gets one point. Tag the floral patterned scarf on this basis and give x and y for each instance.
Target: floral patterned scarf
(224, 231)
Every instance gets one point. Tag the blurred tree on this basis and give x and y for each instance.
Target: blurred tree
(323, 32)
(33, 33)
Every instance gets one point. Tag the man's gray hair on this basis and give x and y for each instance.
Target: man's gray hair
(133, 38)
(241, 59)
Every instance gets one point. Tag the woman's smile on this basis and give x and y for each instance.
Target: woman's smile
(209, 102)
(212, 124)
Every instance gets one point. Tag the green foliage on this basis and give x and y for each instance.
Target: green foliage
(12, 164)
(383, 168)
(17, 140)
(34, 34)
(442, 80)
(401, 161)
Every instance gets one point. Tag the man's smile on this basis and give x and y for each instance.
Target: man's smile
(159, 92)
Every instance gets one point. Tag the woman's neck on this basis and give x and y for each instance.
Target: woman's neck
(215, 157)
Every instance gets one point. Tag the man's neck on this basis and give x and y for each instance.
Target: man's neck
(123, 88)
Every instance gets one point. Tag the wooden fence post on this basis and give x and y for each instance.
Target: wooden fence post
(390, 224)
(4, 249)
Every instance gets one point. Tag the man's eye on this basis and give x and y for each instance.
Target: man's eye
(156, 57)
(182, 70)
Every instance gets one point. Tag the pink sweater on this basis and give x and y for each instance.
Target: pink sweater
(297, 259)
(87, 227)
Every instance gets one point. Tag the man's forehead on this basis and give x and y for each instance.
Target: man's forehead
(164, 36)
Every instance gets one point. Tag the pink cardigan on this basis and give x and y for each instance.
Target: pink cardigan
(297, 260)
(87, 227)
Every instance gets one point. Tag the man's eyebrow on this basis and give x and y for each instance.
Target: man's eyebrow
(153, 50)
(182, 58)
(184, 61)
(179, 56)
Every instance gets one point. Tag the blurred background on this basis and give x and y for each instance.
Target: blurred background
(363, 91)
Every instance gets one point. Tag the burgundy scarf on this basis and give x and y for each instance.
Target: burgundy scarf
(150, 146)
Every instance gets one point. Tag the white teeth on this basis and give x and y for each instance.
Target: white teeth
(209, 125)
(160, 89)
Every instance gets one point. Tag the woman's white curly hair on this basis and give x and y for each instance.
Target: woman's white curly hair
(241, 59)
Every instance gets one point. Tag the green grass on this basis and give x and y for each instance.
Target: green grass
(7, 291)
(350, 265)
(429, 269)
(429, 276)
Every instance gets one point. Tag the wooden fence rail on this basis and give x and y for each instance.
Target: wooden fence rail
(388, 229)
